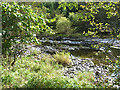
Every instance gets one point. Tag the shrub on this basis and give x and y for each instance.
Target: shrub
(78, 25)
(63, 25)
(63, 58)
(19, 23)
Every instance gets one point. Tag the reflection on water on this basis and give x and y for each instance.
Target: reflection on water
(115, 52)
(97, 56)
(84, 53)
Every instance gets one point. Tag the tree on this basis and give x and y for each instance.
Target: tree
(89, 12)
(19, 24)
(63, 25)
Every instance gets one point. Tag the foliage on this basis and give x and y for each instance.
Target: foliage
(102, 27)
(48, 10)
(68, 5)
(78, 25)
(91, 12)
(29, 72)
(19, 23)
(63, 58)
(63, 25)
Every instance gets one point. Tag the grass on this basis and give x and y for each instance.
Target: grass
(29, 72)
(63, 58)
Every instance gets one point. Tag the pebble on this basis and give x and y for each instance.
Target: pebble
(84, 65)
(78, 65)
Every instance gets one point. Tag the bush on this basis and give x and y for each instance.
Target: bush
(63, 58)
(78, 25)
(19, 23)
(63, 25)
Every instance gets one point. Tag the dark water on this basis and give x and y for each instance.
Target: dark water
(84, 53)
(97, 56)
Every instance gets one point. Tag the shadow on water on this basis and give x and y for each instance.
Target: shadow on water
(97, 56)
(89, 53)
(83, 53)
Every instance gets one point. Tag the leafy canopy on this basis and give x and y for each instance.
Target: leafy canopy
(89, 12)
(19, 24)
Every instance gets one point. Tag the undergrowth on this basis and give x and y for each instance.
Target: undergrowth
(30, 72)
(63, 58)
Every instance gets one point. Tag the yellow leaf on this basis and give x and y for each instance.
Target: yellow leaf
(82, 6)
(5, 40)
(84, 32)
(117, 61)
(22, 32)
(96, 24)
(42, 26)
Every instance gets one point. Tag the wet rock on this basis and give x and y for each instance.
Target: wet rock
(72, 76)
(71, 69)
(59, 38)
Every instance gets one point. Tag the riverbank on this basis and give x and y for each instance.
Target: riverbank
(50, 67)
(41, 70)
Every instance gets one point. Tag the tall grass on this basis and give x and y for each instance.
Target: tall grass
(29, 72)
(63, 58)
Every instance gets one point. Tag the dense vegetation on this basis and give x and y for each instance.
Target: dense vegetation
(28, 72)
(22, 23)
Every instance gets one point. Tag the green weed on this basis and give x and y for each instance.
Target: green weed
(29, 72)
(63, 58)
